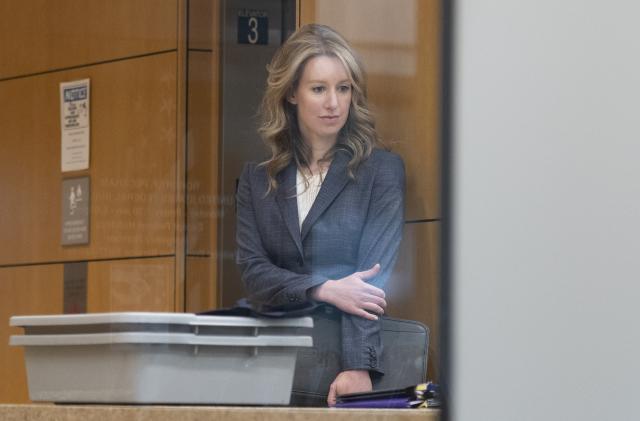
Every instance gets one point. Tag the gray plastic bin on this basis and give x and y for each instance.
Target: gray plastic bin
(160, 358)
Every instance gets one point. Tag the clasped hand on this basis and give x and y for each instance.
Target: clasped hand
(353, 295)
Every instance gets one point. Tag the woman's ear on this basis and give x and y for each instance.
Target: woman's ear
(292, 99)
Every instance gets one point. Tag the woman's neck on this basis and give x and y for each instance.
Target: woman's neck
(316, 167)
(318, 151)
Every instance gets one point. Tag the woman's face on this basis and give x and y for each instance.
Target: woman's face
(323, 98)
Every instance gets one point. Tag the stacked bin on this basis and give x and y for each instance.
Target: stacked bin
(171, 358)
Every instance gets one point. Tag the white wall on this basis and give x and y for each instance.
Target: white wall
(546, 320)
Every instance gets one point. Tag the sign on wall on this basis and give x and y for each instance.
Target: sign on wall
(74, 122)
(75, 211)
(253, 27)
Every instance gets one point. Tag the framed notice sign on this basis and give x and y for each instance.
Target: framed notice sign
(74, 122)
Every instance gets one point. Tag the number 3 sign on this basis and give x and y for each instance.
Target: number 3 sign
(253, 27)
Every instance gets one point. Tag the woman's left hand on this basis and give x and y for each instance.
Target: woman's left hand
(352, 294)
(350, 381)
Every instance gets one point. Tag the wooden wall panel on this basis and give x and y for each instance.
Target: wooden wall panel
(134, 52)
(201, 288)
(23, 291)
(131, 285)
(419, 144)
(402, 61)
(306, 12)
(203, 20)
(181, 155)
(202, 156)
(40, 35)
(413, 291)
(133, 162)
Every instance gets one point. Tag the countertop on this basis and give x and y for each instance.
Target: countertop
(44, 412)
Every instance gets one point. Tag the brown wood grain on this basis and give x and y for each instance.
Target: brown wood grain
(42, 35)
(180, 159)
(202, 191)
(131, 285)
(413, 291)
(203, 23)
(202, 183)
(132, 164)
(201, 288)
(202, 157)
(24, 291)
(137, 163)
(306, 12)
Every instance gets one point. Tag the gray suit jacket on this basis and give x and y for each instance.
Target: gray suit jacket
(352, 225)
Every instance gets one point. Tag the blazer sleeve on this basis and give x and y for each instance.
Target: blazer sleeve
(380, 241)
(266, 283)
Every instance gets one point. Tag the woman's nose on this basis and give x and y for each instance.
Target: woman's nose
(331, 100)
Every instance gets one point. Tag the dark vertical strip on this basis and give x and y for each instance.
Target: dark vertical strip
(283, 20)
(75, 288)
(446, 192)
(288, 19)
(222, 51)
(185, 153)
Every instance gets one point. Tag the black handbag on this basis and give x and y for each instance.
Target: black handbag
(404, 357)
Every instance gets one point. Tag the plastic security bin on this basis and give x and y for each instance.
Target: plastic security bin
(172, 358)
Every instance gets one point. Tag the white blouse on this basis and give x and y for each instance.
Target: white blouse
(307, 196)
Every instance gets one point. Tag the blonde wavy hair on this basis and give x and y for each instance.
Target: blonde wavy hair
(279, 124)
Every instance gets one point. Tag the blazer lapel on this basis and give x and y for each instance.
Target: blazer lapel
(332, 185)
(288, 203)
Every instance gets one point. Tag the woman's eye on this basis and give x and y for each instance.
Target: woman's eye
(344, 88)
(317, 89)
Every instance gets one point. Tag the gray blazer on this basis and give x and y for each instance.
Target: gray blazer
(352, 225)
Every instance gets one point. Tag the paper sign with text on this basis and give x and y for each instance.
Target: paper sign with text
(74, 122)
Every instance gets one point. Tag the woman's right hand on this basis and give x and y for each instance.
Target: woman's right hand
(353, 295)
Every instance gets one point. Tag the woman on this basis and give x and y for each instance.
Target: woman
(321, 220)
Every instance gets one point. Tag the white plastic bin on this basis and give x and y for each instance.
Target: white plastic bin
(160, 358)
